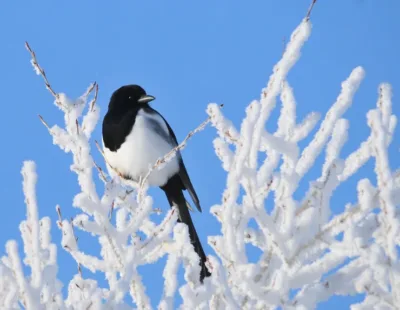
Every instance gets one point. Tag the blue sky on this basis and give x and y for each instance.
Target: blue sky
(187, 54)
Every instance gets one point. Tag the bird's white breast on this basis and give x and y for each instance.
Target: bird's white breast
(141, 149)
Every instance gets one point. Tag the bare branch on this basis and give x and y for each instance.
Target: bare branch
(310, 10)
(101, 172)
(58, 208)
(41, 72)
(94, 100)
(44, 122)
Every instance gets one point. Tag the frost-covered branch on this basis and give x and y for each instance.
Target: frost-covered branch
(42, 289)
(307, 254)
(121, 251)
(300, 241)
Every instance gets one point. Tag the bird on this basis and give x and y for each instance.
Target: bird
(135, 136)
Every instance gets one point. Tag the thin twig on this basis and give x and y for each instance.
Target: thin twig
(111, 211)
(155, 234)
(157, 211)
(101, 172)
(99, 148)
(71, 220)
(90, 89)
(283, 45)
(76, 241)
(44, 122)
(59, 216)
(41, 71)
(105, 159)
(310, 10)
(77, 127)
(94, 100)
(173, 152)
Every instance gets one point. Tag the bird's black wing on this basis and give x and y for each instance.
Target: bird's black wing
(183, 174)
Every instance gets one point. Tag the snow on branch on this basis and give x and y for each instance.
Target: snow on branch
(307, 254)
(42, 289)
(300, 241)
(121, 251)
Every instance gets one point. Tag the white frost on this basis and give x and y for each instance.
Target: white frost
(306, 256)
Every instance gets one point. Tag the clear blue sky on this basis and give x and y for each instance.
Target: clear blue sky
(187, 54)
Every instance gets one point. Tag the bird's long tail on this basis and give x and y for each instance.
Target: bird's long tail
(176, 198)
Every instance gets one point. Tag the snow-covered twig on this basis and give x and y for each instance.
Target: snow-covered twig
(160, 163)
(307, 255)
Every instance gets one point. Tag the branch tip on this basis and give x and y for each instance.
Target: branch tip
(44, 122)
(310, 9)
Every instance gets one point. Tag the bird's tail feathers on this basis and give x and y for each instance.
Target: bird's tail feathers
(189, 206)
(176, 198)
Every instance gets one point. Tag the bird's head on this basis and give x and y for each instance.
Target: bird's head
(129, 96)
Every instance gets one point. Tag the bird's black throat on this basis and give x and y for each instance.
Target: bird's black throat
(117, 125)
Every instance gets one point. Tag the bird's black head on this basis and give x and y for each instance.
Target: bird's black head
(129, 97)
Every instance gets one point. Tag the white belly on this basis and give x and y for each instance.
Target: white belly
(140, 151)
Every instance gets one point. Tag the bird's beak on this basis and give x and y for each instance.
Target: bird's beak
(146, 99)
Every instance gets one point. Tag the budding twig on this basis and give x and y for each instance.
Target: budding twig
(44, 122)
(41, 72)
(310, 9)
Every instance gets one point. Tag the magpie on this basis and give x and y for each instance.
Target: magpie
(134, 137)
